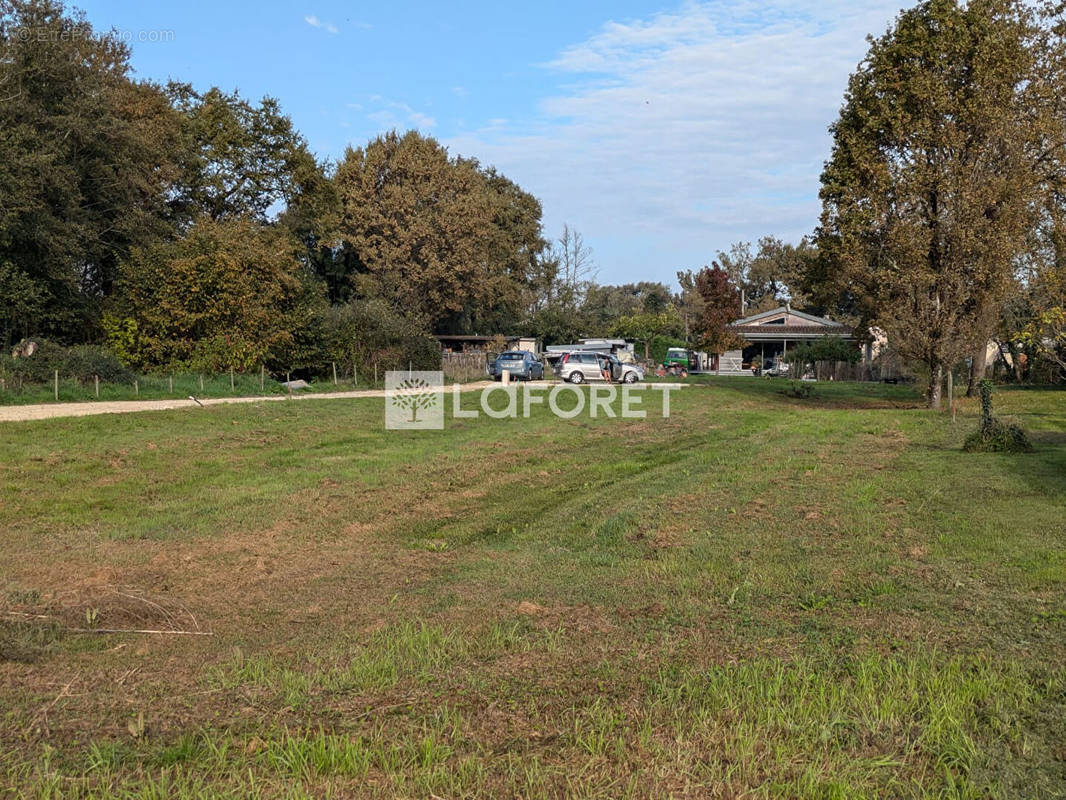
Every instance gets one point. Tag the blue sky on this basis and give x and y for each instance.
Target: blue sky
(662, 131)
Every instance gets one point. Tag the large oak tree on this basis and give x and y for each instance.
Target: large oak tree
(435, 234)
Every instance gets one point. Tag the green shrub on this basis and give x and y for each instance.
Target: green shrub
(371, 333)
(230, 293)
(84, 361)
(828, 348)
(798, 390)
(80, 362)
(999, 437)
(994, 435)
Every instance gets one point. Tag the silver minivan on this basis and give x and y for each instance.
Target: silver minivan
(579, 366)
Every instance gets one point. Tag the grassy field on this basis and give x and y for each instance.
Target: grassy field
(757, 597)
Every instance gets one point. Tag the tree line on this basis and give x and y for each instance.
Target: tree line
(187, 228)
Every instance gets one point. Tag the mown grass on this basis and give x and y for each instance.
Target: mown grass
(759, 596)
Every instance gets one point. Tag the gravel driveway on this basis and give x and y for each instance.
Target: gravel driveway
(50, 410)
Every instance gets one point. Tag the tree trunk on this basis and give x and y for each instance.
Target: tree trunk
(977, 369)
(936, 378)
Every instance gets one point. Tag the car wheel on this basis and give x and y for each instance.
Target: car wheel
(631, 377)
(576, 376)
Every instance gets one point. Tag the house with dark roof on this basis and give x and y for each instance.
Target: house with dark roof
(770, 334)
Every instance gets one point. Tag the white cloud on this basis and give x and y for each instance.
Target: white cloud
(420, 120)
(401, 116)
(315, 22)
(679, 134)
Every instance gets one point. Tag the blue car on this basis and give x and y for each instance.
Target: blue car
(521, 364)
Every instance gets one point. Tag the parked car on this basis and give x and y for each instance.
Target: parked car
(522, 365)
(774, 368)
(578, 367)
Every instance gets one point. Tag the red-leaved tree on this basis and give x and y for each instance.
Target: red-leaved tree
(721, 306)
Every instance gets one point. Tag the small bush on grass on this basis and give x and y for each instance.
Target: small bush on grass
(995, 435)
(799, 390)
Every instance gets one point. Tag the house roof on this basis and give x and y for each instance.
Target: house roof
(447, 337)
(764, 317)
(787, 323)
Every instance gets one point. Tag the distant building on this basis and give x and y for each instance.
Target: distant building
(464, 344)
(771, 333)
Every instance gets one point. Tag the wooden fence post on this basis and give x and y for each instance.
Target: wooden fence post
(170, 378)
(96, 382)
(57, 385)
(334, 364)
(951, 390)
(201, 383)
(262, 376)
(136, 388)
(231, 378)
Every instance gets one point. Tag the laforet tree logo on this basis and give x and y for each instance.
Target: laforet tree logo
(414, 400)
(414, 395)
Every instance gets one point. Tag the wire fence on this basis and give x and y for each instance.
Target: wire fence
(19, 390)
